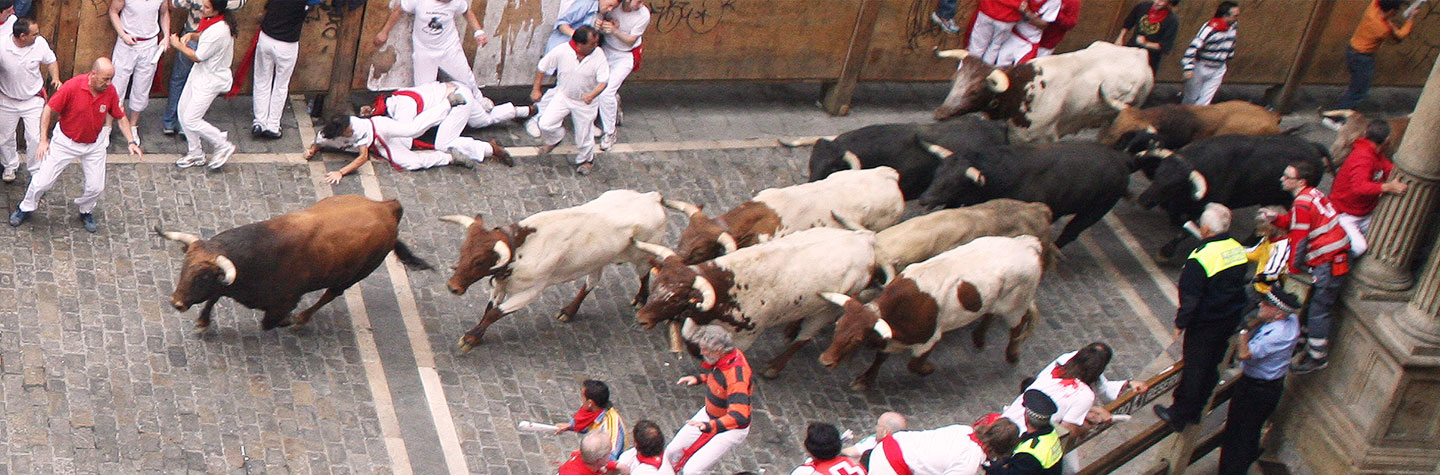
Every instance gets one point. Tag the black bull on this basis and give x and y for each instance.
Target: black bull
(898, 146)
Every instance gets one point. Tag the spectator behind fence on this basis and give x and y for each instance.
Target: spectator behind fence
(1205, 59)
(1264, 350)
(1075, 382)
(1152, 26)
(1360, 182)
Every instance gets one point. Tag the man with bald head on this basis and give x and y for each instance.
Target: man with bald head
(593, 458)
(888, 423)
(83, 107)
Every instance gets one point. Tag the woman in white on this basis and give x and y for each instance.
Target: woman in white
(142, 29)
(622, 27)
(213, 53)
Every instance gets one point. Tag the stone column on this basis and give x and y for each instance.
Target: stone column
(1421, 318)
(1398, 221)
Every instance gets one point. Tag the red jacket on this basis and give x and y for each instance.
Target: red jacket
(1357, 184)
(1313, 218)
(1069, 15)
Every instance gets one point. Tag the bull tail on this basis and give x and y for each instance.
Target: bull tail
(409, 258)
(846, 223)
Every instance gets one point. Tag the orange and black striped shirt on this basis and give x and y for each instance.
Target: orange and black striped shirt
(728, 399)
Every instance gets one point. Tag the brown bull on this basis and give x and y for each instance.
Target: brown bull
(1354, 128)
(269, 265)
(1174, 126)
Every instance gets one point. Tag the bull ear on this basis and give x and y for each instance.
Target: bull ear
(503, 251)
(974, 175)
(1197, 180)
(227, 269)
(462, 220)
(707, 294)
(997, 81)
(969, 296)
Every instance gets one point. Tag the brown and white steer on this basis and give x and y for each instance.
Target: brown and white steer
(989, 277)
(925, 236)
(1050, 97)
(271, 264)
(1173, 126)
(1354, 128)
(870, 198)
(552, 247)
(771, 284)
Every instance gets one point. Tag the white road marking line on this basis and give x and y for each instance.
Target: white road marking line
(1158, 330)
(1167, 287)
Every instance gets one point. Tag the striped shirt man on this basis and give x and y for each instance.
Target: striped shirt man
(1205, 58)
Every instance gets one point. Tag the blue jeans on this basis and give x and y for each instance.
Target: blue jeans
(1362, 71)
(945, 9)
(179, 73)
(1322, 299)
(22, 8)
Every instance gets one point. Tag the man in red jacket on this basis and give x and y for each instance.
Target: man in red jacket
(1360, 182)
(1317, 242)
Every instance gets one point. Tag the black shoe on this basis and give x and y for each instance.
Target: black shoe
(256, 130)
(1168, 416)
(18, 217)
(88, 220)
(269, 134)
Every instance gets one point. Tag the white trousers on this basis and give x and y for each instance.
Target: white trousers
(1355, 228)
(1200, 88)
(1013, 50)
(621, 63)
(194, 102)
(62, 152)
(987, 36)
(582, 119)
(708, 454)
(426, 66)
(274, 63)
(13, 111)
(135, 69)
(393, 139)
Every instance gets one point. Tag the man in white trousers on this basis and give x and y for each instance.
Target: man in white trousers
(464, 110)
(724, 422)
(81, 107)
(581, 73)
(993, 21)
(277, 47)
(435, 39)
(22, 54)
(1023, 43)
(392, 140)
(1205, 59)
(142, 29)
(623, 27)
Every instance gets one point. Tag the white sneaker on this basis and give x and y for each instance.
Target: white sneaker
(532, 126)
(607, 141)
(188, 161)
(10, 174)
(222, 155)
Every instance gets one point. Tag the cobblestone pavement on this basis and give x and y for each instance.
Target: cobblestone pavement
(99, 375)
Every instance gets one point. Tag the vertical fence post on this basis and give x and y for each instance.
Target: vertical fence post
(1308, 41)
(67, 33)
(837, 93)
(347, 46)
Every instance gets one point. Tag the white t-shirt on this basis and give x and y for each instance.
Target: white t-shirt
(141, 18)
(434, 28)
(575, 77)
(20, 67)
(947, 450)
(1049, 11)
(629, 459)
(8, 27)
(215, 51)
(631, 23)
(1073, 399)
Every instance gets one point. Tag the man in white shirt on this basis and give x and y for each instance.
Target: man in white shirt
(434, 39)
(180, 69)
(1075, 381)
(622, 27)
(22, 54)
(142, 29)
(1023, 43)
(950, 450)
(406, 104)
(581, 73)
(647, 457)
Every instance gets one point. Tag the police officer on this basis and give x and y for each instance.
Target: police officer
(1212, 300)
(1040, 450)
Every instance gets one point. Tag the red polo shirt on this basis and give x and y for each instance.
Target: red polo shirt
(81, 112)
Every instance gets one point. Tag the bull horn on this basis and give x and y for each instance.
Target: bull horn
(227, 268)
(851, 159)
(1338, 113)
(462, 220)
(503, 250)
(681, 206)
(707, 294)
(936, 150)
(997, 81)
(883, 329)
(959, 54)
(185, 238)
(728, 242)
(974, 175)
(1114, 103)
(1198, 181)
(656, 250)
(1162, 153)
(836, 298)
(887, 269)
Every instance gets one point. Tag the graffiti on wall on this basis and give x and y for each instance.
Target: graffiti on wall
(699, 16)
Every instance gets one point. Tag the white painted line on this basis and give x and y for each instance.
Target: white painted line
(302, 120)
(1167, 287)
(166, 159)
(370, 356)
(1158, 330)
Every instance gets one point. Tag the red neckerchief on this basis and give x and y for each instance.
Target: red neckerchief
(977, 441)
(584, 417)
(1156, 16)
(1218, 24)
(729, 360)
(576, 47)
(651, 461)
(894, 457)
(575, 466)
(1064, 381)
(206, 23)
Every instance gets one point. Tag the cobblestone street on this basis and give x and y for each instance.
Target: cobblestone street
(101, 375)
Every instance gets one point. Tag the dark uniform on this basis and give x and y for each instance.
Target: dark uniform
(1040, 450)
(1212, 300)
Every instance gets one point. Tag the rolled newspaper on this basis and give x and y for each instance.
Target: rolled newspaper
(1409, 12)
(536, 427)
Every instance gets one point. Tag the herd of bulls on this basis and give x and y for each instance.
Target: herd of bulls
(831, 253)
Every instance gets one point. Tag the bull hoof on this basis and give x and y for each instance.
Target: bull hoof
(200, 328)
(770, 373)
(1012, 358)
(922, 369)
(465, 346)
(860, 385)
